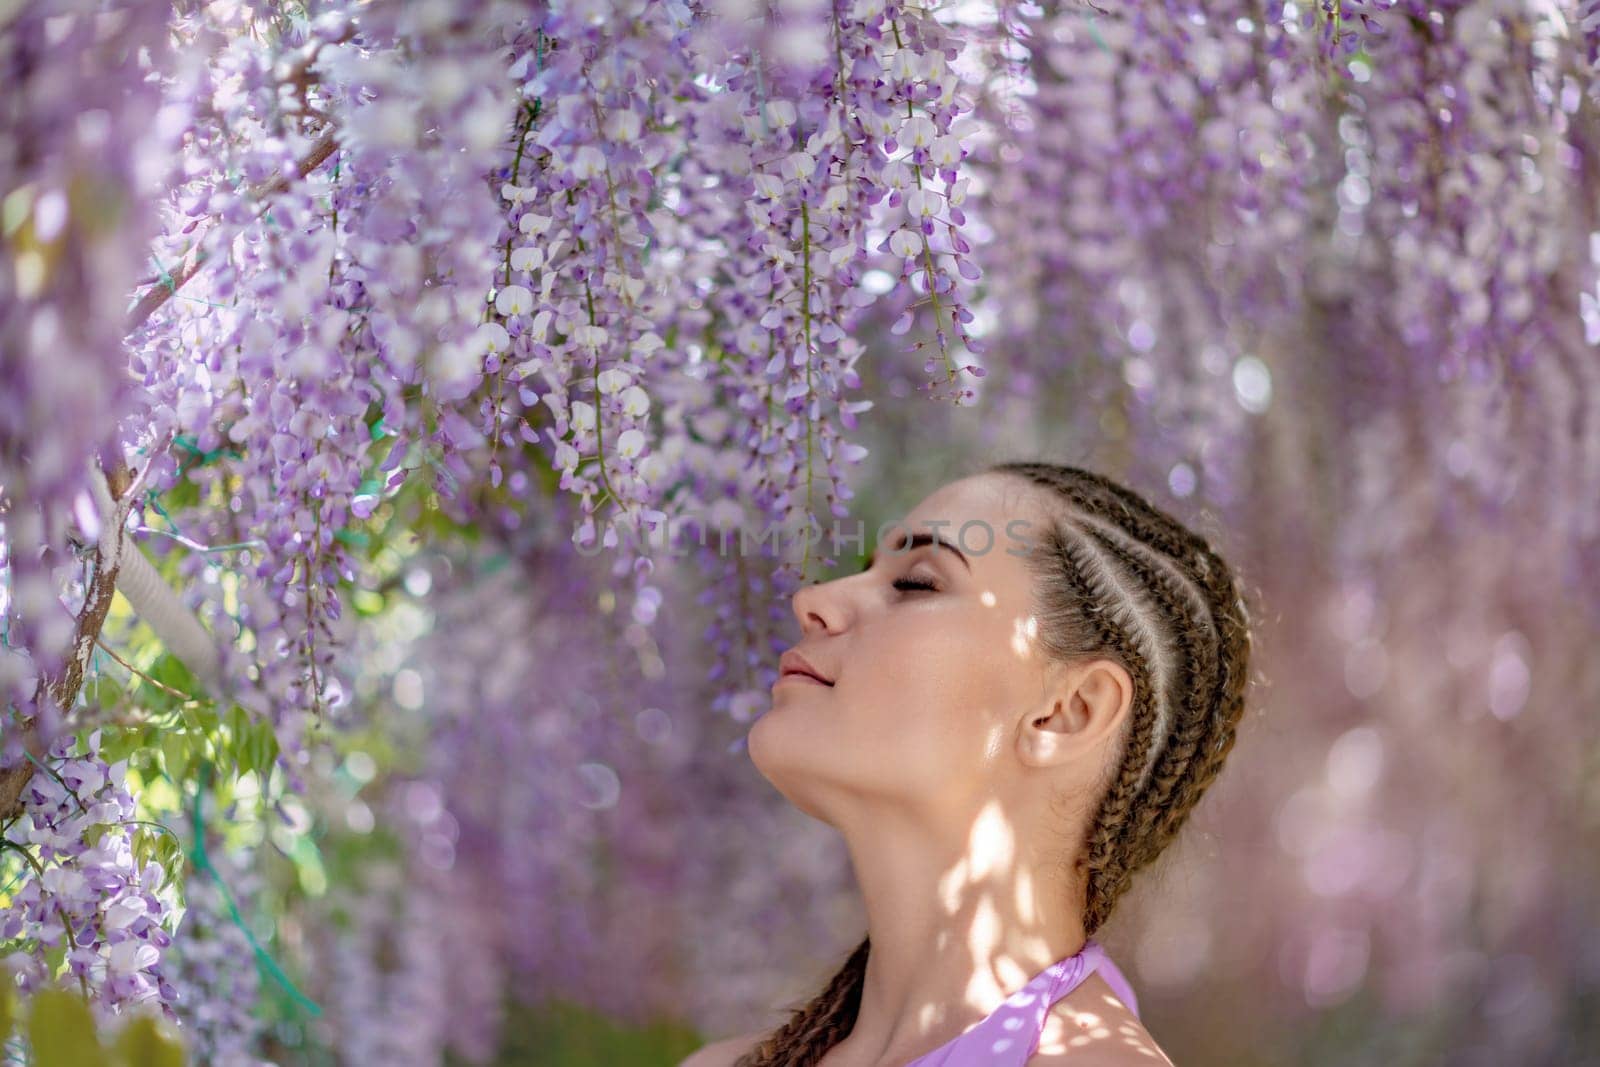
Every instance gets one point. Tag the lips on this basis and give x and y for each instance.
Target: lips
(792, 663)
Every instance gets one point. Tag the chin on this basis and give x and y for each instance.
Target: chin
(780, 760)
(758, 742)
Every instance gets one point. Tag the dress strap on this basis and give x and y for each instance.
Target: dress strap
(1011, 1033)
(1119, 984)
(1072, 972)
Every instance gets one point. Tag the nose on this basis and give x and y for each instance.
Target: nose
(818, 608)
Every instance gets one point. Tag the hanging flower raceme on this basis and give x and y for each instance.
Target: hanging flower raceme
(1445, 300)
(581, 307)
(816, 143)
(372, 320)
(83, 899)
(587, 247)
(75, 225)
(213, 966)
(1155, 179)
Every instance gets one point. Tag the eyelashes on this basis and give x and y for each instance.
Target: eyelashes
(908, 584)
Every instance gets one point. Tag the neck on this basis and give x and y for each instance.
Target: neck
(956, 928)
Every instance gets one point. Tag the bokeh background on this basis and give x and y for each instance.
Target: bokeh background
(1319, 279)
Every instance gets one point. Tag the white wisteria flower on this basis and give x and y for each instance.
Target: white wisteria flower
(514, 300)
(527, 258)
(631, 444)
(905, 242)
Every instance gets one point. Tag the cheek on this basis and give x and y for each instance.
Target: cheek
(931, 688)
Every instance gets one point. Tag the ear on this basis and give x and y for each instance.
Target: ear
(1082, 706)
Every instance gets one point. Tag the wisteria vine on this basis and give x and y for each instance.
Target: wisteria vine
(307, 286)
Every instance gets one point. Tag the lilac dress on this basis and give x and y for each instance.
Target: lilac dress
(1011, 1032)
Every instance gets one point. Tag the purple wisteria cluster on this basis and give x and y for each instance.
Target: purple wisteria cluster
(371, 294)
(556, 878)
(1479, 310)
(1156, 181)
(491, 247)
(76, 219)
(1194, 196)
(359, 209)
(547, 272)
(212, 965)
(83, 897)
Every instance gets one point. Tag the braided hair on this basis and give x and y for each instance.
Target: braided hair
(1116, 578)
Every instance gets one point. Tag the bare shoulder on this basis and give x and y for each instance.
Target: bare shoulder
(1095, 1028)
(723, 1053)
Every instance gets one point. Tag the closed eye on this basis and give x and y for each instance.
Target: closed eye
(906, 584)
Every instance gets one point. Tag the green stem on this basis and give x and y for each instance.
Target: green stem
(927, 252)
(805, 320)
(528, 116)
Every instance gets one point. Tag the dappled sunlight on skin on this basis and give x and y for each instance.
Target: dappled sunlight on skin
(1027, 902)
(999, 903)
(996, 742)
(1024, 636)
(1093, 1017)
(984, 937)
(993, 843)
(991, 862)
(970, 887)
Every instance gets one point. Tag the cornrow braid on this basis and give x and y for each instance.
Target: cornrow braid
(1138, 625)
(1117, 578)
(1224, 600)
(1074, 622)
(1206, 621)
(1122, 842)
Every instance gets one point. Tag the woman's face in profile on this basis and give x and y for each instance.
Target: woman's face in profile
(928, 683)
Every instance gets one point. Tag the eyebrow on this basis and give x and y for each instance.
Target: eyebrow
(917, 541)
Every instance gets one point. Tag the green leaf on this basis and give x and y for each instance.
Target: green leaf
(206, 715)
(169, 670)
(103, 691)
(239, 727)
(169, 854)
(307, 859)
(175, 753)
(142, 846)
(263, 746)
(268, 754)
(250, 750)
(239, 749)
(55, 956)
(117, 745)
(238, 719)
(149, 1042)
(183, 494)
(61, 1030)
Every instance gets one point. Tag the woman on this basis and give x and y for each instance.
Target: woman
(1012, 709)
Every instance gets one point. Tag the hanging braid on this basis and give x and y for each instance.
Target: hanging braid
(819, 1025)
(1116, 578)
